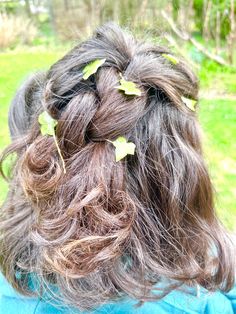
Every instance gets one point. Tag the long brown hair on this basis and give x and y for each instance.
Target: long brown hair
(105, 229)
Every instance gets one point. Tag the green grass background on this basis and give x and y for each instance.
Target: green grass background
(217, 117)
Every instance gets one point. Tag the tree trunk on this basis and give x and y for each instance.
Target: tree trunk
(218, 32)
(232, 35)
(28, 9)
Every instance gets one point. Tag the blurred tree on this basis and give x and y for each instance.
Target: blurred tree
(27, 7)
(211, 21)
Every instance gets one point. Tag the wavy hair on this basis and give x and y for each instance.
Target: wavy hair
(105, 229)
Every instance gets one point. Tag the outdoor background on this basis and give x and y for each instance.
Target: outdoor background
(35, 33)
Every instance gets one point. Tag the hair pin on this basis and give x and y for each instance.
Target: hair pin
(8, 163)
(190, 103)
(123, 147)
(47, 127)
(128, 87)
(170, 58)
(92, 68)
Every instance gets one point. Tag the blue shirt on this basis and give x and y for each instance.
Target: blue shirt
(176, 302)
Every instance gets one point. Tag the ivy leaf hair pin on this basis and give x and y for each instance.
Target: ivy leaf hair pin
(8, 163)
(128, 87)
(47, 123)
(92, 68)
(190, 103)
(170, 58)
(47, 127)
(123, 147)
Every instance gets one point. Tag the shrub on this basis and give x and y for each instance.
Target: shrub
(15, 29)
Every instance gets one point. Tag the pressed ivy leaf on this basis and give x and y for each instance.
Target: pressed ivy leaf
(92, 67)
(123, 147)
(129, 87)
(171, 58)
(47, 127)
(190, 103)
(8, 163)
(47, 123)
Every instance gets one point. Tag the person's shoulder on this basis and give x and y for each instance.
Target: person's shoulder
(12, 302)
(177, 302)
(219, 302)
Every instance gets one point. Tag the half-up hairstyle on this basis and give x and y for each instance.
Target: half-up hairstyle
(105, 229)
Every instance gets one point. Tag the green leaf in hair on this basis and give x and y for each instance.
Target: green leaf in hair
(123, 147)
(129, 87)
(47, 123)
(92, 67)
(8, 163)
(190, 103)
(171, 58)
(47, 127)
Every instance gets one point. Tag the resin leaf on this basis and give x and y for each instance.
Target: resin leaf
(190, 103)
(171, 58)
(8, 163)
(123, 147)
(129, 87)
(92, 67)
(47, 123)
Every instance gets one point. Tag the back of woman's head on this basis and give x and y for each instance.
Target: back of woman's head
(101, 229)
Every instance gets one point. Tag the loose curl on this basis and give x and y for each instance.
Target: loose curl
(107, 229)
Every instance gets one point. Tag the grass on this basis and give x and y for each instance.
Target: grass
(218, 119)
(213, 76)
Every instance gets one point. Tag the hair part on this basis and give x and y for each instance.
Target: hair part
(107, 229)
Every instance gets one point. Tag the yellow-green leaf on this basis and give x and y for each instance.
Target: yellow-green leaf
(47, 123)
(170, 58)
(8, 163)
(47, 127)
(92, 67)
(190, 103)
(123, 147)
(129, 87)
